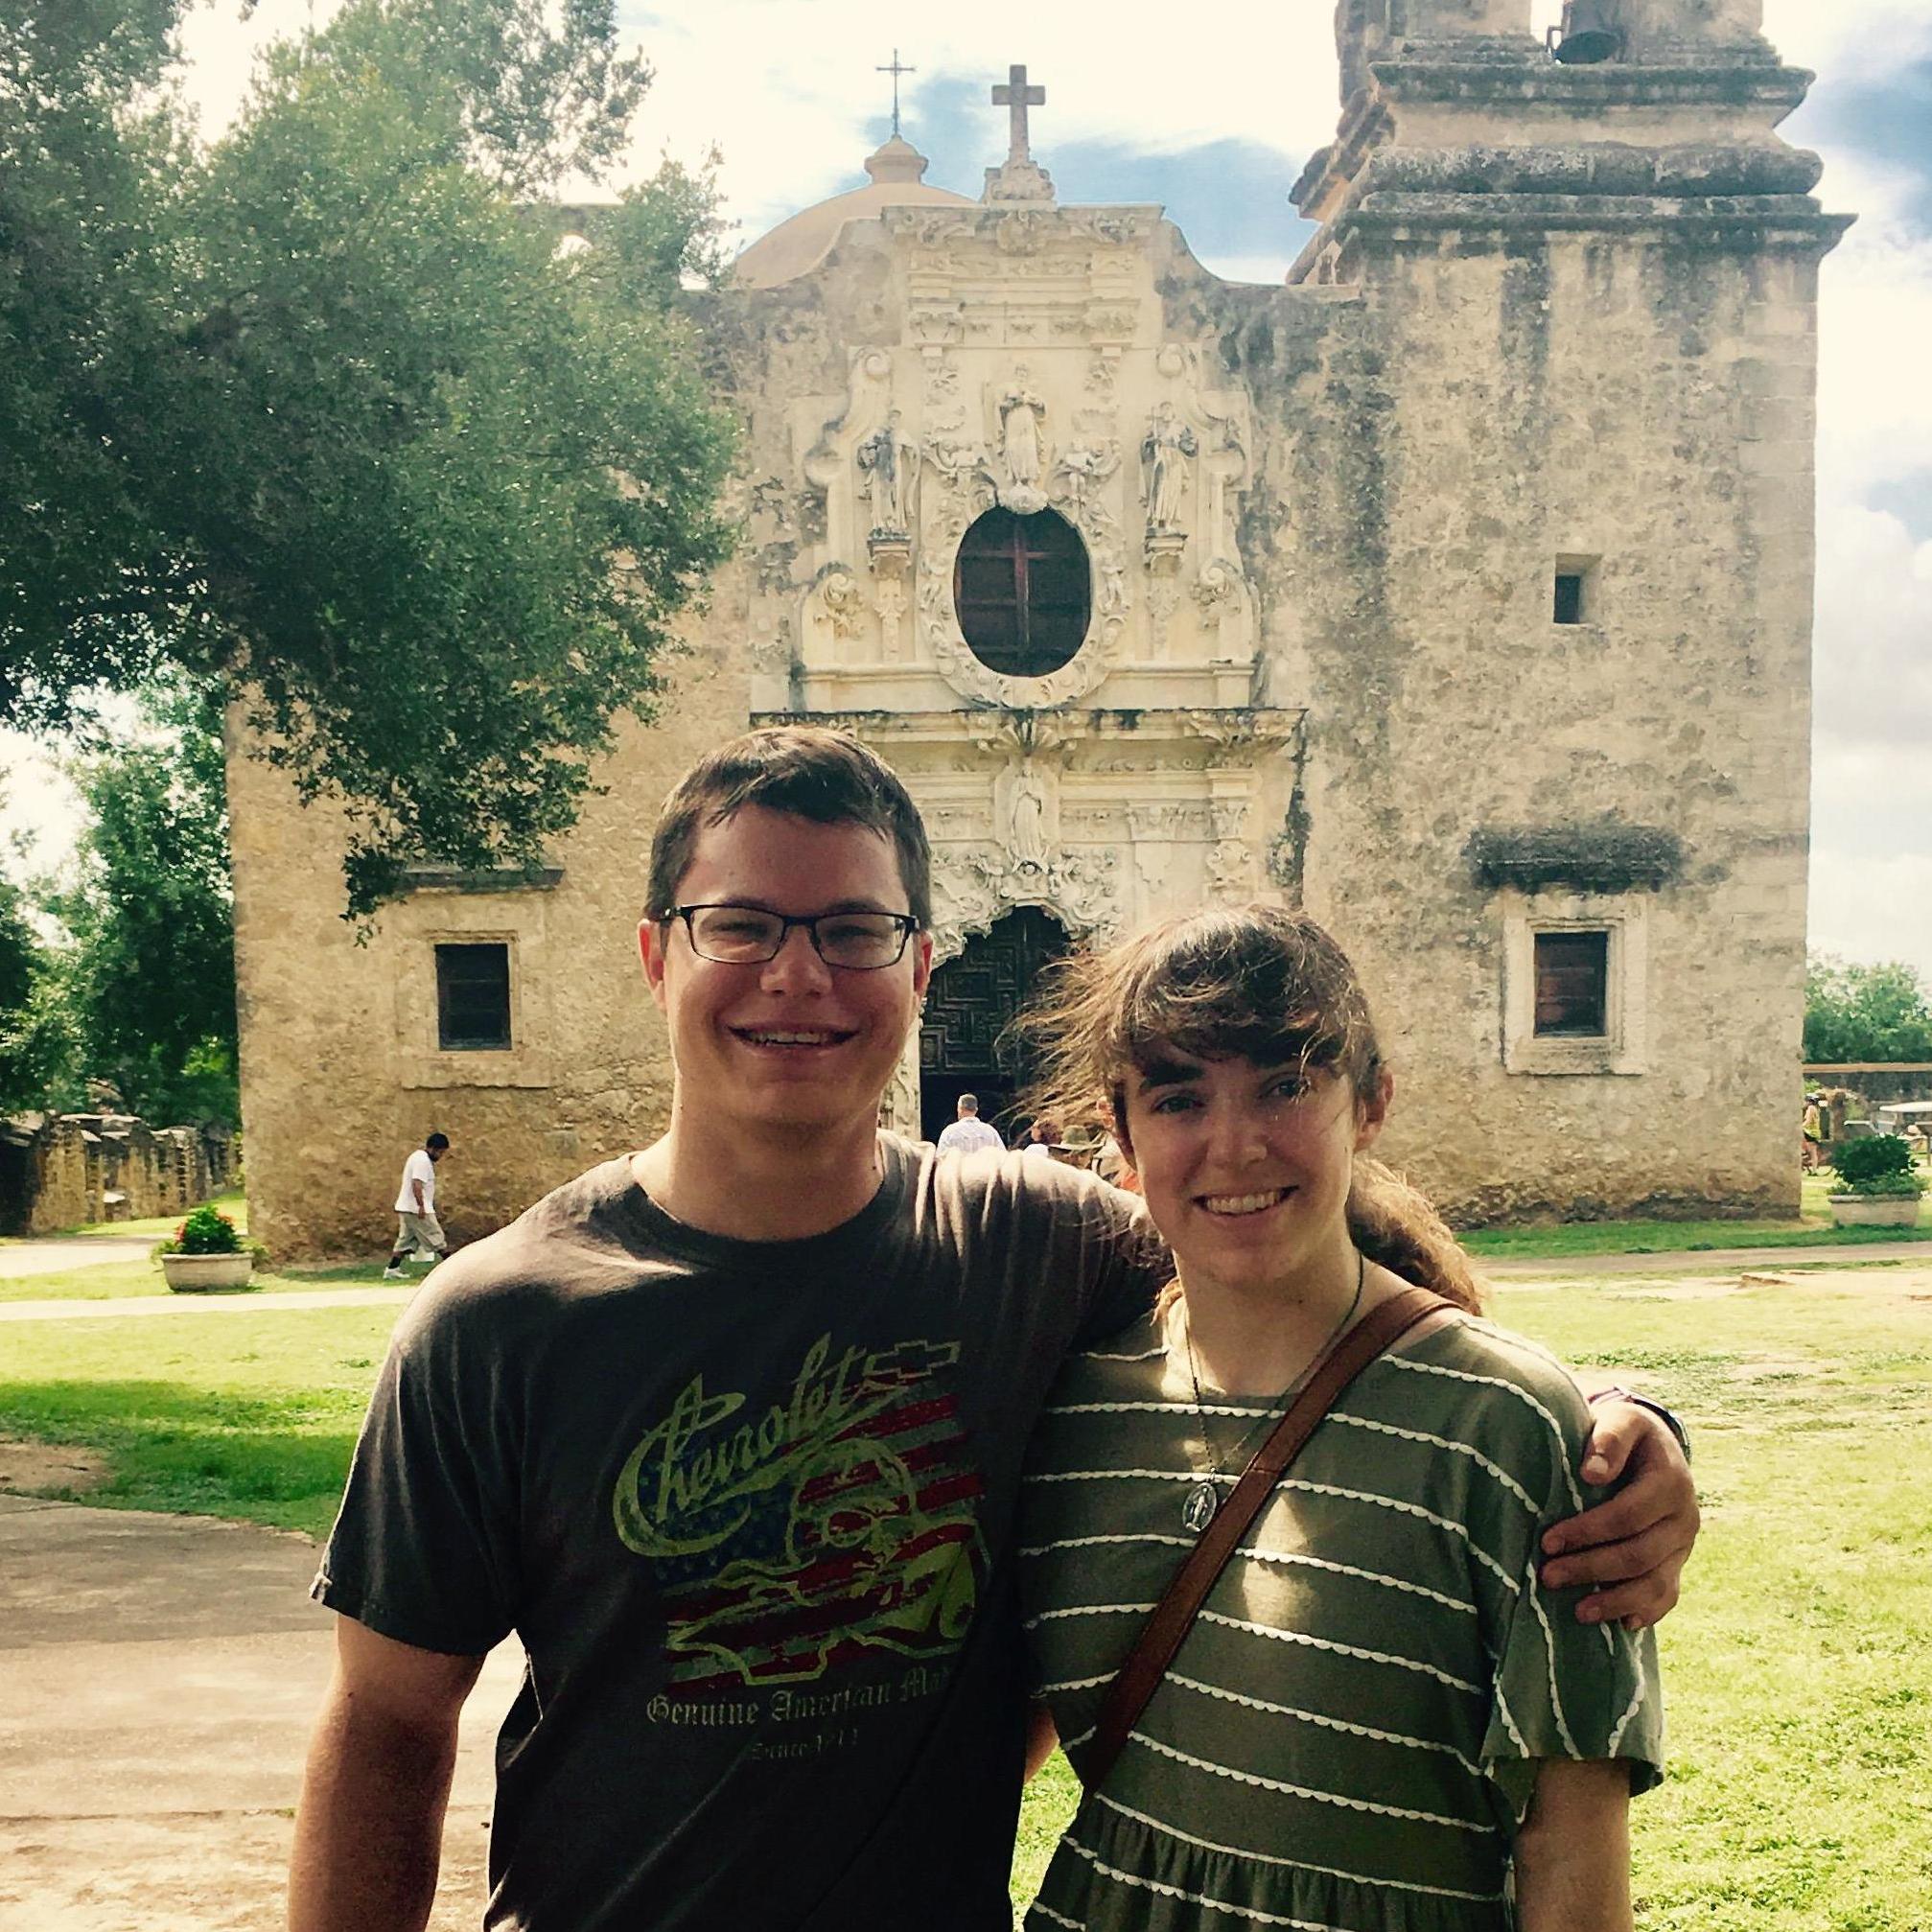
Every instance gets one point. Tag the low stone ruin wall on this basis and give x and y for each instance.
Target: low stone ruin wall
(72, 1169)
(1873, 1085)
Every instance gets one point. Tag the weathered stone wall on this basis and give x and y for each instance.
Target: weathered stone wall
(1870, 1084)
(71, 1170)
(341, 1072)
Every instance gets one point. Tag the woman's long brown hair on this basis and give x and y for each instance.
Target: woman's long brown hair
(1255, 983)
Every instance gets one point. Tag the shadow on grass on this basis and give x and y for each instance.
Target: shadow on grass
(273, 1459)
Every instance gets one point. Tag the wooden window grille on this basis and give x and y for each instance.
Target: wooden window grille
(1572, 984)
(1023, 591)
(472, 997)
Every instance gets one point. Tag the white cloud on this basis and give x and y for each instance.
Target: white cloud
(1870, 909)
(1850, 39)
(1872, 644)
(38, 808)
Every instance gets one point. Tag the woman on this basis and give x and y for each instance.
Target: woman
(1379, 1721)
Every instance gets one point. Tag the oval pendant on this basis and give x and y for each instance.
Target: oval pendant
(1199, 1510)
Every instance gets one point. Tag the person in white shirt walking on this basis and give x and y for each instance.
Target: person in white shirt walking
(968, 1134)
(418, 1232)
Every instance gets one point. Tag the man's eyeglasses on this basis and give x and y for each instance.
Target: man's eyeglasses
(749, 935)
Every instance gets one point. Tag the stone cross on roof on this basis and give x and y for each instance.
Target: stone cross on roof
(1020, 178)
(896, 70)
(1016, 97)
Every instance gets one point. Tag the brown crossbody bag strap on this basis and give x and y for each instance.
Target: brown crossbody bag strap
(1173, 1614)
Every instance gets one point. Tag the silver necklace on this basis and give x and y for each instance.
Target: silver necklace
(1203, 1498)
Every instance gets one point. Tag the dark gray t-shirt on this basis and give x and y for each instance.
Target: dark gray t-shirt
(750, 1507)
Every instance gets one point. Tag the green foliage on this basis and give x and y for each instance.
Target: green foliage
(149, 983)
(1878, 1164)
(40, 1044)
(1864, 1012)
(207, 1230)
(320, 415)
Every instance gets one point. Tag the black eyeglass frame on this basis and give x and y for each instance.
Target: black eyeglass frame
(907, 924)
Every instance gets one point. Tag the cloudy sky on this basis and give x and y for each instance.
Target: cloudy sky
(787, 90)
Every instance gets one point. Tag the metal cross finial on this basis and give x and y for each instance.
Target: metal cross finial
(1016, 97)
(896, 70)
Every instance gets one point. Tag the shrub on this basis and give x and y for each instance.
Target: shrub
(207, 1230)
(1880, 1164)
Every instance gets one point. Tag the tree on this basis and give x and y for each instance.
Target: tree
(1864, 1012)
(147, 984)
(322, 416)
(39, 1057)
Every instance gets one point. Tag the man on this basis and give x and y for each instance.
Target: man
(729, 1433)
(418, 1232)
(968, 1134)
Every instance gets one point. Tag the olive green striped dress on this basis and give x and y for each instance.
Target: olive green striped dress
(1346, 1740)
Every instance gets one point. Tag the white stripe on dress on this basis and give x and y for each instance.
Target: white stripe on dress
(1269, 1630)
(1501, 1475)
(1516, 1389)
(1616, 1748)
(1252, 1912)
(1087, 1610)
(1321, 1719)
(1550, 1664)
(1057, 1917)
(1292, 1864)
(1456, 1529)
(1257, 1554)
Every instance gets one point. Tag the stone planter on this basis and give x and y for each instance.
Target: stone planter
(196, 1273)
(1875, 1210)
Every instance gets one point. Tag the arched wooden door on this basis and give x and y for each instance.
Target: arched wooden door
(971, 1002)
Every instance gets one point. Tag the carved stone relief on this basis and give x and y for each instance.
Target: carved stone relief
(1130, 441)
(974, 884)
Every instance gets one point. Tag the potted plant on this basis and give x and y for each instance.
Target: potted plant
(1882, 1186)
(206, 1252)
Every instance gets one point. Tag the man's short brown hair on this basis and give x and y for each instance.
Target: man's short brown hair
(827, 776)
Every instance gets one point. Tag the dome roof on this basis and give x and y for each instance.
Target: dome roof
(798, 246)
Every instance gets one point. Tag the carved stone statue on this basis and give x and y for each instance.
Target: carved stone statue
(1026, 837)
(890, 459)
(1165, 454)
(1020, 415)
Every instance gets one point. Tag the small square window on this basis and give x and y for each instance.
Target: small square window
(473, 998)
(1573, 600)
(1572, 985)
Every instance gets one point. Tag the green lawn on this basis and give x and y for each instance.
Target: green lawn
(1799, 1672)
(1812, 1229)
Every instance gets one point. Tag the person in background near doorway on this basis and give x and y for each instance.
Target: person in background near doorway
(968, 1134)
(418, 1232)
(1039, 1140)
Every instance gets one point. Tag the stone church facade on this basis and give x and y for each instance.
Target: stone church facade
(1459, 589)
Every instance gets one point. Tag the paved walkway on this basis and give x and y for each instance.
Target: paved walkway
(1684, 1261)
(81, 1307)
(60, 1252)
(158, 1678)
